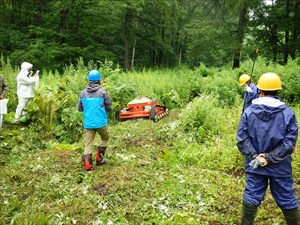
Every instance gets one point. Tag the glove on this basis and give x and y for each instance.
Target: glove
(249, 90)
(259, 161)
(254, 163)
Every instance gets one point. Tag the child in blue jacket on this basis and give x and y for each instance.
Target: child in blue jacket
(94, 102)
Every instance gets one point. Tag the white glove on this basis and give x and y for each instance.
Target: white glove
(254, 163)
(248, 89)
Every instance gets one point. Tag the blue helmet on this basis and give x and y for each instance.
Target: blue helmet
(94, 75)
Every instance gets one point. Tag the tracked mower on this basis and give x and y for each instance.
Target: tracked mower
(143, 107)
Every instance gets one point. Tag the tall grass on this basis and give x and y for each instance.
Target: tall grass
(184, 169)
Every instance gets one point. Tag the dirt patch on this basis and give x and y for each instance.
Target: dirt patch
(114, 180)
(102, 189)
(140, 143)
(60, 156)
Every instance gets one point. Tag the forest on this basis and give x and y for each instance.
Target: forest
(148, 33)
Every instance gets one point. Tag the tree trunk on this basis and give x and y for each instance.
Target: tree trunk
(127, 34)
(179, 58)
(274, 41)
(295, 32)
(161, 52)
(240, 37)
(63, 21)
(287, 33)
(133, 48)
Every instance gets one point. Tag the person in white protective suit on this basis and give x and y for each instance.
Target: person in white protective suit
(25, 92)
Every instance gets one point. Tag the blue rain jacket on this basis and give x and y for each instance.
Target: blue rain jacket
(268, 126)
(94, 102)
(248, 97)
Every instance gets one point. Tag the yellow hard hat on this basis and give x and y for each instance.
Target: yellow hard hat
(269, 82)
(243, 79)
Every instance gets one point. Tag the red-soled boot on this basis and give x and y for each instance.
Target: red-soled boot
(87, 161)
(100, 156)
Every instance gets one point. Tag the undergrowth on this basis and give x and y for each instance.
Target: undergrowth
(151, 178)
(184, 169)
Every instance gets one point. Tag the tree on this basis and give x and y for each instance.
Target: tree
(240, 36)
(275, 28)
(147, 33)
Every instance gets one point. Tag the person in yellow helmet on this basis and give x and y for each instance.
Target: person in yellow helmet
(250, 90)
(267, 136)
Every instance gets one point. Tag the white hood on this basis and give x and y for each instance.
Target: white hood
(26, 65)
(25, 81)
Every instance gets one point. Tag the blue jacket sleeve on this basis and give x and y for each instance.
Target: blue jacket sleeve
(250, 96)
(244, 143)
(79, 104)
(107, 102)
(287, 146)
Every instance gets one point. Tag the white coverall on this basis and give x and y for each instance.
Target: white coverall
(25, 84)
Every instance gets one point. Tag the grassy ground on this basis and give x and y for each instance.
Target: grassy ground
(147, 180)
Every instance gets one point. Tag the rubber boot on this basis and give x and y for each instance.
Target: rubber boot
(87, 162)
(248, 214)
(100, 156)
(292, 216)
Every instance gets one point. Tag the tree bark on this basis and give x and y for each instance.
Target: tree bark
(295, 31)
(240, 37)
(127, 35)
(161, 52)
(287, 33)
(133, 48)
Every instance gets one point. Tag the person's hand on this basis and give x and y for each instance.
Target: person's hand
(262, 161)
(248, 89)
(1, 97)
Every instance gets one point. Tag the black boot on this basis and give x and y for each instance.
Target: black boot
(248, 214)
(100, 156)
(87, 161)
(292, 216)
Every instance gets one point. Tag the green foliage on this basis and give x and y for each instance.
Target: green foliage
(199, 117)
(120, 94)
(54, 107)
(184, 169)
(290, 77)
(160, 33)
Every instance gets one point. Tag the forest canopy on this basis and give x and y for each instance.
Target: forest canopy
(148, 33)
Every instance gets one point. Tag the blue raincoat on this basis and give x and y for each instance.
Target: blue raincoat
(248, 97)
(269, 126)
(94, 102)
